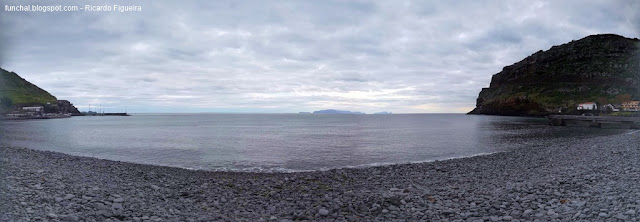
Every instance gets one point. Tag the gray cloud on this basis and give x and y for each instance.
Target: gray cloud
(289, 56)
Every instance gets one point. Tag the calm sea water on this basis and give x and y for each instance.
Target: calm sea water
(284, 142)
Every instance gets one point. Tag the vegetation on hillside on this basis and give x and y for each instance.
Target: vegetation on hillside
(15, 90)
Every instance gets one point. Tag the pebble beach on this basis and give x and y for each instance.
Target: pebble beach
(583, 179)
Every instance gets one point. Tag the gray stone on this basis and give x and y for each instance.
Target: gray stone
(100, 206)
(323, 212)
(71, 218)
(69, 196)
(116, 206)
(622, 217)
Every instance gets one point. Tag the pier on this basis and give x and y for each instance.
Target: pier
(105, 114)
(612, 122)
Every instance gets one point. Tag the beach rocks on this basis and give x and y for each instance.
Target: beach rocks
(551, 180)
(69, 196)
(323, 212)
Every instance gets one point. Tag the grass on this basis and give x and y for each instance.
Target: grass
(21, 91)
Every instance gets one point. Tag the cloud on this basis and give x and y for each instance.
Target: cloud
(290, 56)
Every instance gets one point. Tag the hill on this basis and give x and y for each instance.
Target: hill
(16, 92)
(599, 68)
(21, 91)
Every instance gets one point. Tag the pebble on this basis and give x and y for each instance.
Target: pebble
(69, 196)
(116, 206)
(622, 217)
(100, 206)
(323, 212)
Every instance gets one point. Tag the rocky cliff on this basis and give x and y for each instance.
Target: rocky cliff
(598, 68)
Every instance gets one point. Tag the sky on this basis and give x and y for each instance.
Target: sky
(290, 56)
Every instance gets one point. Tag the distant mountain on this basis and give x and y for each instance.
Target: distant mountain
(333, 111)
(18, 92)
(598, 68)
(383, 112)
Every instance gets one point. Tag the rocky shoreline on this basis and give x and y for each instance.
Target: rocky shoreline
(586, 179)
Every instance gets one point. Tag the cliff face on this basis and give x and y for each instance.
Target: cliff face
(17, 92)
(597, 68)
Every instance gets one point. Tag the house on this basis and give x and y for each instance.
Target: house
(587, 106)
(611, 107)
(33, 108)
(631, 106)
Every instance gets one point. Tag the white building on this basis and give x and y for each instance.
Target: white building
(610, 107)
(587, 106)
(33, 108)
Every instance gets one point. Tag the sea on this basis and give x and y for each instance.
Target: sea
(286, 142)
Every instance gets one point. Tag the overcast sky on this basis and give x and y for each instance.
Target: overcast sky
(291, 56)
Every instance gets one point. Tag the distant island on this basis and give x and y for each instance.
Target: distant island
(601, 69)
(333, 111)
(383, 112)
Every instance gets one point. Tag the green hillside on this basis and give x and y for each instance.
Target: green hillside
(20, 91)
